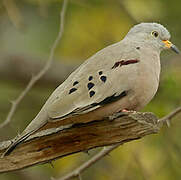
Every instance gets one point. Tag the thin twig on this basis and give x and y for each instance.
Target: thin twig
(93, 160)
(35, 78)
(168, 117)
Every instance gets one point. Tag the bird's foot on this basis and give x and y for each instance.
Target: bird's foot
(121, 113)
(128, 111)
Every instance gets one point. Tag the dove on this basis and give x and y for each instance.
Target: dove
(122, 76)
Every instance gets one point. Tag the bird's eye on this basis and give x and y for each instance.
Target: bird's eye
(154, 33)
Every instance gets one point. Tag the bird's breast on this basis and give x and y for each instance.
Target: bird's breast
(147, 82)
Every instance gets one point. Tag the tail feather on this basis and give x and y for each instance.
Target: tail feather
(18, 141)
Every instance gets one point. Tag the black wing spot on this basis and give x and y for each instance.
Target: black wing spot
(90, 85)
(76, 82)
(72, 90)
(100, 72)
(103, 78)
(138, 47)
(91, 93)
(90, 78)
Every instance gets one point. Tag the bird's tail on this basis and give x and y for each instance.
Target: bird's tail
(16, 142)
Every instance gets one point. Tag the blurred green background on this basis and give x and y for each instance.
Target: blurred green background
(28, 29)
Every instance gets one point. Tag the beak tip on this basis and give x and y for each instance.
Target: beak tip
(175, 49)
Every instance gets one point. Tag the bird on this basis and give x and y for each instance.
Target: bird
(121, 76)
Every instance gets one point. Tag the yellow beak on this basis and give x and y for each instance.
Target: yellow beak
(171, 46)
(167, 43)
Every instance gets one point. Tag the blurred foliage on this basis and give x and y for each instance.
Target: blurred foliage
(30, 27)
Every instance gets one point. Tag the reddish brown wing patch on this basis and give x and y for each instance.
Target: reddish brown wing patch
(124, 62)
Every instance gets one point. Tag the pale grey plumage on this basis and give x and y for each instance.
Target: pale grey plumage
(101, 87)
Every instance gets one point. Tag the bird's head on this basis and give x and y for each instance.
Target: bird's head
(153, 34)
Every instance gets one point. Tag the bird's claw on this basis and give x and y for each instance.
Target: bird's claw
(128, 111)
(121, 113)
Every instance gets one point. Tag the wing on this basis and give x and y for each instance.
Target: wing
(102, 79)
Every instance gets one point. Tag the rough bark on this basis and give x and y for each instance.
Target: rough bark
(51, 144)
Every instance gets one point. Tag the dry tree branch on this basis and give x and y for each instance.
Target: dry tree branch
(107, 150)
(50, 144)
(57, 142)
(35, 78)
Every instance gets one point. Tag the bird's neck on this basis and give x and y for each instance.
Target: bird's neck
(150, 62)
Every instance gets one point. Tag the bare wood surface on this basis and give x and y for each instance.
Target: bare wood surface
(54, 143)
